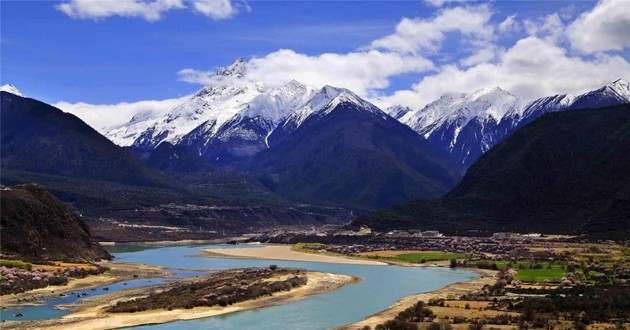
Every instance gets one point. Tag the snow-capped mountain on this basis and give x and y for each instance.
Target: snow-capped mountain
(247, 132)
(464, 124)
(342, 149)
(467, 125)
(213, 105)
(397, 111)
(233, 117)
(9, 88)
(321, 103)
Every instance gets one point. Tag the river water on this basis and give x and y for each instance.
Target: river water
(380, 287)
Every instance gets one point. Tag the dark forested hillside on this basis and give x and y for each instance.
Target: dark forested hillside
(564, 173)
(353, 157)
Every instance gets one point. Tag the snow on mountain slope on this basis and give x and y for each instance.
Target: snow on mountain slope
(323, 102)
(467, 125)
(397, 111)
(9, 88)
(216, 102)
(617, 92)
(246, 132)
(460, 109)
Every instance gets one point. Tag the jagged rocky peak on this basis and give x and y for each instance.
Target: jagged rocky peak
(10, 88)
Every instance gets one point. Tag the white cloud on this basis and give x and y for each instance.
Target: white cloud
(550, 27)
(509, 25)
(150, 10)
(215, 9)
(90, 9)
(606, 27)
(358, 71)
(104, 116)
(532, 68)
(415, 35)
(486, 54)
(440, 3)
(193, 76)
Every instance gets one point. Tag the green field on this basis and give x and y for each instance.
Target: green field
(541, 275)
(527, 272)
(428, 256)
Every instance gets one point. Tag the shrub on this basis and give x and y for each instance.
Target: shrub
(16, 264)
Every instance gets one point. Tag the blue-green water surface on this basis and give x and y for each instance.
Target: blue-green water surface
(380, 287)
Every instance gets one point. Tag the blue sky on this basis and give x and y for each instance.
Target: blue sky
(107, 56)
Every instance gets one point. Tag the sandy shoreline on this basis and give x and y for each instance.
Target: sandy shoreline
(284, 252)
(94, 318)
(456, 289)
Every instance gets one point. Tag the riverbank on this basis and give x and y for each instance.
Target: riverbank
(284, 252)
(94, 315)
(487, 277)
(118, 272)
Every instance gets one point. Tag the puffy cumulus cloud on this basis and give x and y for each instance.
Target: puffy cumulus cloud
(532, 68)
(606, 27)
(105, 116)
(358, 71)
(148, 10)
(415, 35)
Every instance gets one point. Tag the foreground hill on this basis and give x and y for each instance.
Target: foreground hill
(564, 173)
(38, 226)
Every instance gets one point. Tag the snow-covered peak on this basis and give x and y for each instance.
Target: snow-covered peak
(484, 104)
(329, 97)
(620, 87)
(279, 102)
(10, 88)
(397, 111)
(488, 93)
(324, 101)
(236, 69)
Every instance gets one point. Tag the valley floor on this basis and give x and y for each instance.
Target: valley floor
(93, 315)
(119, 272)
(285, 252)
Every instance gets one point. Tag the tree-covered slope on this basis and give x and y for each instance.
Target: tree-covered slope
(356, 158)
(564, 173)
